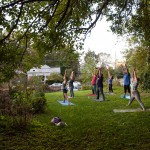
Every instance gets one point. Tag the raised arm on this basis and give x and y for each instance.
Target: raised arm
(65, 73)
(134, 75)
(127, 70)
(72, 76)
(108, 73)
(99, 72)
(122, 68)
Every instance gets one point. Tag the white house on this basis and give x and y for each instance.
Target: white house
(44, 71)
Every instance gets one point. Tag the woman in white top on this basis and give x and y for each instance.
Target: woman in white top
(134, 91)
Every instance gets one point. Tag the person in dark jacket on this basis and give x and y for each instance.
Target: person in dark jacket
(71, 87)
(99, 85)
(110, 80)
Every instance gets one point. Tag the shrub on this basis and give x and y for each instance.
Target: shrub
(21, 115)
(54, 77)
(38, 102)
(145, 79)
(5, 103)
(22, 109)
(22, 101)
(86, 87)
(45, 88)
(15, 107)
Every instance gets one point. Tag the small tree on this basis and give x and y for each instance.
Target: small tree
(54, 77)
(90, 61)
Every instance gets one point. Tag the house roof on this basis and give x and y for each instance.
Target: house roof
(44, 69)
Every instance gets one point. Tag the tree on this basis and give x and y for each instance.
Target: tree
(49, 24)
(138, 53)
(66, 58)
(89, 65)
(136, 56)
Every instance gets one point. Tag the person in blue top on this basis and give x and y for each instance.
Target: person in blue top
(126, 78)
(99, 85)
(110, 79)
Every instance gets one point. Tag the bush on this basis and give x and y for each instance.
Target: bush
(19, 105)
(38, 102)
(145, 78)
(45, 88)
(86, 87)
(16, 109)
(5, 103)
(54, 77)
(22, 101)
(22, 115)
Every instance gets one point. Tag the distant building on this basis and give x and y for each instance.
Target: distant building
(44, 71)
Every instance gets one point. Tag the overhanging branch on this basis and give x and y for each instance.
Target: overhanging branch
(21, 8)
(64, 14)
(104, 5)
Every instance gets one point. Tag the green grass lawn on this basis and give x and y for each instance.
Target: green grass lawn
(92, 125)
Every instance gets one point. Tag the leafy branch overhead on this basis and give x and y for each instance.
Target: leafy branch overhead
(67, 18)
(44, 26)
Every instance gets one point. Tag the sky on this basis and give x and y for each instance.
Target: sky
(101, 39)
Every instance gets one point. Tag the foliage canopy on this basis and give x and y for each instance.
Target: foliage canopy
(48, 25)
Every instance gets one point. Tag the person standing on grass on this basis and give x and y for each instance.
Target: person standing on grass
(110, 79)
(71, 87)
(126, 78)
(99, 85)
(93, 82)
(64, 88)
(134, 90)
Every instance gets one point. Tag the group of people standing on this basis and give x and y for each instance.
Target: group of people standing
(97, 84)
(130, 85)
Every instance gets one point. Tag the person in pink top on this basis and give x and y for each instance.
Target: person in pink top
(93, 82)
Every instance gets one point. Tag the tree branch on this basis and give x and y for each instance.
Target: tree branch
(98, 16)
(21, 8)
(50, 18)
(22, 55)
(125, 5)
(21, 1)
(64, 14)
